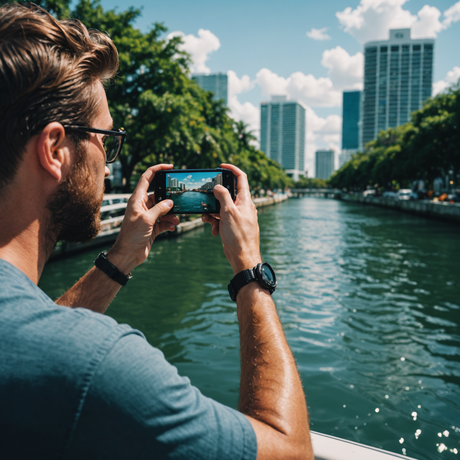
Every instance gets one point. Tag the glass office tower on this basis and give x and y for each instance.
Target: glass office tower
(350, 119)
(324, 163)
(398, 77)
(282, 134)
(216, 83)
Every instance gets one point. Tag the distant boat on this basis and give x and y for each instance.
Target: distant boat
(206, 206)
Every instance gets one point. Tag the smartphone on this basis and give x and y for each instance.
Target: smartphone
(192, 190)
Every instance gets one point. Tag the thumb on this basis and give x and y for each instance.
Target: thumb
(160, 209)
(223, 195)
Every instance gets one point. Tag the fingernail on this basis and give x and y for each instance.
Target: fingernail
(169, 203)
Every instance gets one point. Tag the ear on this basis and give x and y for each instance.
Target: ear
(54, 151)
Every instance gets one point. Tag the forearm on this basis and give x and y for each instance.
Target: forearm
(95, 290)
(271, 391)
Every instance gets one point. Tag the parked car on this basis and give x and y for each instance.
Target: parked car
(405, 194)
(370, 192)
(389, 194)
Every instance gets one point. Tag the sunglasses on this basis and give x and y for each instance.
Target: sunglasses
(113, 140)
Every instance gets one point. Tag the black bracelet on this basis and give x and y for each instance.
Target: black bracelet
(110, 270)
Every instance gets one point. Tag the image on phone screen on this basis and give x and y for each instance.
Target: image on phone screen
(193, 191)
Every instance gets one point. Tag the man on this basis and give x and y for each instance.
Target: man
(73, 382)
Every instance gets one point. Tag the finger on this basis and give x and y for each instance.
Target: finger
(223, 195)
(146, 179)
(165, 227)
(151, 200)
(242, 184)
(160, 209)
(171, 218)
(215, 228)
(207, 218)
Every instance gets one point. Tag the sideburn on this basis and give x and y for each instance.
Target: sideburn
(75, 206)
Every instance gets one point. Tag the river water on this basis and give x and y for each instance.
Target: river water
(192, 202)
(369, 299)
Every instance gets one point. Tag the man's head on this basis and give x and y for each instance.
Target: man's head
(51, 75)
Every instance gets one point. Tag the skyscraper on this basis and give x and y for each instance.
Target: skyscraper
(282, 134)
(398, 77)
(324, 162)
(350, 119)
(351, 105)
(217, 83)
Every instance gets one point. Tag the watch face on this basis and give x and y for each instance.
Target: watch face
(268, 275)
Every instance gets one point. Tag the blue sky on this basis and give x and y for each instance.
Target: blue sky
(310, 51)
(194, 180)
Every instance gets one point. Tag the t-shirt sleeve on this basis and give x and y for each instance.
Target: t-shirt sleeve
(138, 407)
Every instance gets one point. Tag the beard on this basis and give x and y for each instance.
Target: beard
(76, 204)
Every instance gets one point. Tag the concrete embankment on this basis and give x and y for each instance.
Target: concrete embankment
(107, 237)
(438, 210)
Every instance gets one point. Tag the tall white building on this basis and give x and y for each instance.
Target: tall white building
(282, 134)
(217, 83)
(324, 164)
(398, 77)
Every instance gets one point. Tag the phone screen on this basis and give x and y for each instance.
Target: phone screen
(193, 191)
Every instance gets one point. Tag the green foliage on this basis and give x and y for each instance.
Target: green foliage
(167, 116)
(425, 148)
(58, 8)
(307, 182)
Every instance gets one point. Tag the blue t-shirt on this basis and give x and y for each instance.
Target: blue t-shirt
(75, 384)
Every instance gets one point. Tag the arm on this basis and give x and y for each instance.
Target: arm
(271, 393)
(143, 221)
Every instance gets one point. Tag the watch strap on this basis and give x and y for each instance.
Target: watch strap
(252, 274)
(110, 270)
(240, 280)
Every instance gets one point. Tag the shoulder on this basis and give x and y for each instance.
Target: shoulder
(155, 411)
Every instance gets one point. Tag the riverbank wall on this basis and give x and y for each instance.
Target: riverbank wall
(63, 249)
(433, 209)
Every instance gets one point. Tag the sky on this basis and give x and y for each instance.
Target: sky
(195, 180)
(307, 50)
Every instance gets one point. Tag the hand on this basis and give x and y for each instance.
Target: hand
(237, 226)
(142, 223)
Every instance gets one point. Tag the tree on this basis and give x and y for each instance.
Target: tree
(425, 148)
(167, 116)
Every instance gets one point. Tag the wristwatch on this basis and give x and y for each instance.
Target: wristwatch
(262, 273)
(110, 270)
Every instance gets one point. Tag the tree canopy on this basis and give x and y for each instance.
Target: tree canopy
(167, 116)
(425, 148)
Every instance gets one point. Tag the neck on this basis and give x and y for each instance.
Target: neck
(25, 239)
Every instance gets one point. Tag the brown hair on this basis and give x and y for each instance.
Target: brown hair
(47, 73)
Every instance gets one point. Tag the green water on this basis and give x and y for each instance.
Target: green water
(369, 299)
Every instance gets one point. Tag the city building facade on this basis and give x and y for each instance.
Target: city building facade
(351, 104)
(351, 109)
(282, 134)
(324, 163)
(216, 83)
(398, 77)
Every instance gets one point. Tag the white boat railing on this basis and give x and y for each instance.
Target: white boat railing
(327, 447)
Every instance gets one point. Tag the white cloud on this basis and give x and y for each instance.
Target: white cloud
(345, 71)
(427, 24)
(372, 19)
(306, 88)
(320, 133)
(247, 112)
(238, 85)
(452, 14)
(450, 79)
(319, 34)
(332, 138)
(199, 48)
